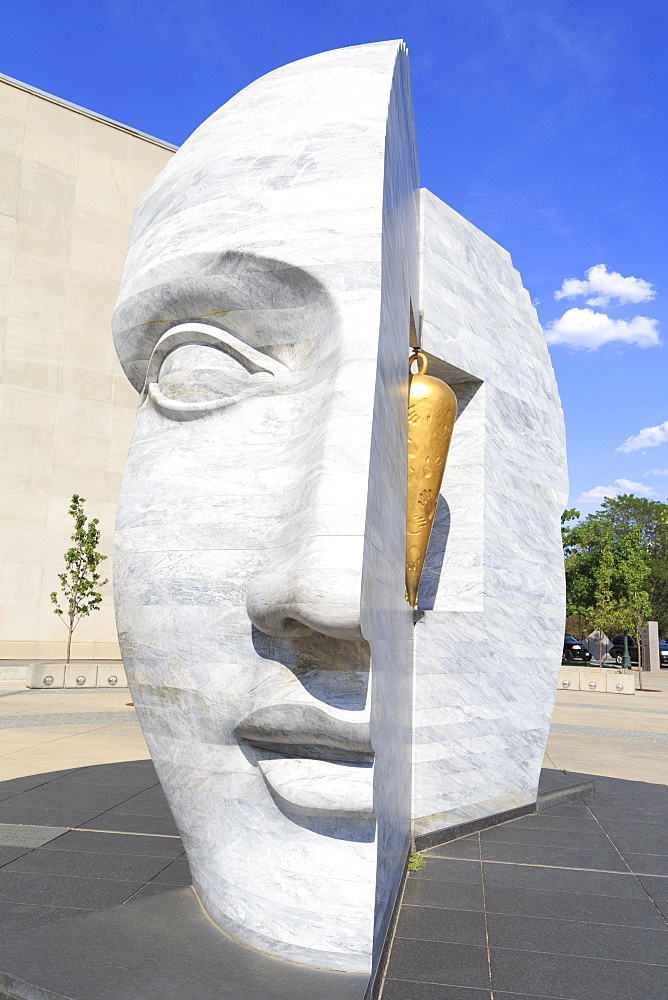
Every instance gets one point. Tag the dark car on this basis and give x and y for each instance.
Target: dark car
(663, 653)
(616, 651)
(574, 649)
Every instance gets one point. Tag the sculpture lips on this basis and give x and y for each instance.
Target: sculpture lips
(306, 731)
(322, 788)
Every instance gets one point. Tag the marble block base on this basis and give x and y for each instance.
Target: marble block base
(160, 948)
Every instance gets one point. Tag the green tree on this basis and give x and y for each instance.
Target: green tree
(80, 580)
(635, 607)
(617, 516)
(601, 614)
(581, 559)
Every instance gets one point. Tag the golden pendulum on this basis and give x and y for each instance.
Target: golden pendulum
(432, 408)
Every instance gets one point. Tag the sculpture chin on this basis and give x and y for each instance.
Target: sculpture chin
(348, 959)
(325, 788)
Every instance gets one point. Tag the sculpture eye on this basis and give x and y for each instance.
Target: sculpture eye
(198, 372)
(196, 368)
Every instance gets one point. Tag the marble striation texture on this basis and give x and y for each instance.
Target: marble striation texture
(264, 317)
(488, 648)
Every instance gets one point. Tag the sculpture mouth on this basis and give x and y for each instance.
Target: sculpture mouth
(304, 731)
(314, 764)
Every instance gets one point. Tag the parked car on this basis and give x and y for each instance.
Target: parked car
(575, 650)
(663, 653)
(616, 651)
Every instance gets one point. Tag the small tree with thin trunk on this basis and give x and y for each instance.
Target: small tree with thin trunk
(602, 613)
(635, 607)
(80, 580)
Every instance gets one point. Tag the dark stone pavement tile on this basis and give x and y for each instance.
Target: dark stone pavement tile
(67, 798)
(116, 843)
(648, 864)
(122, 867)
(429, 923)
(559, 880)
(438, 963)
(177, 873)
(572, 937)
(529, 854)
(151, 889)
(656, 885)
(394, 989)
(579, 823)
(638, 818)
(8, 854)
(448, 870)
(21, 916)
(44, 815)
(568, 810)
(509, 833)
(651, 842)
(448, 895)
(618, 788)
(144, 805)
(163, 947)
(468, 847)
(625, 812)
(554, 777)
(523, 996)
(565, 976)
(662, 904)
(16, 785)
(61, 890)
(573, 906)
(125, 823)
(642, 819)
(126, 776)
(628, 826)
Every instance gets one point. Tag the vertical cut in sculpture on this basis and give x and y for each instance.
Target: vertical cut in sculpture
(432, 409)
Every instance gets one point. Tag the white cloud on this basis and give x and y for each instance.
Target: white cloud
(657, 472)
(648, 437)
(603, 285)
(620, 486)
(586, 328)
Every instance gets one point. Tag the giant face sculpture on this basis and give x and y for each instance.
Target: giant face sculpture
(300, 728)
(264, 316)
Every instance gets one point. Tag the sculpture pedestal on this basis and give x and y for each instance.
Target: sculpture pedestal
(160, 948)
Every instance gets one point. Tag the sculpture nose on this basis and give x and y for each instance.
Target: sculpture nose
(314, 586)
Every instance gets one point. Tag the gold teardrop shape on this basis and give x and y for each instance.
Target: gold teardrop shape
(432, 408)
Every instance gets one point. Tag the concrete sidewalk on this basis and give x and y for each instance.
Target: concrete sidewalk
(45, 730)
(612, 735)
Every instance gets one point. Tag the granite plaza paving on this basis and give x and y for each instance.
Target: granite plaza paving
(570, 903)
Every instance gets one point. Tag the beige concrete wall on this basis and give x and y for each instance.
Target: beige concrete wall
(69, 183)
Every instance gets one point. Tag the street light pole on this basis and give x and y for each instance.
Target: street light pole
(626, 659)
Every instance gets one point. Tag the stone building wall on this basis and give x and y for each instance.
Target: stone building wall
(69, 182)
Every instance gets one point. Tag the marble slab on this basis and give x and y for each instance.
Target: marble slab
(488, 646)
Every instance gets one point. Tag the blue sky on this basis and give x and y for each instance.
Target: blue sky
(541, 121)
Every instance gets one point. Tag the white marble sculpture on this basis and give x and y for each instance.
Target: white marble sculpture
(270, 290)
(489, 642)
(259, 563)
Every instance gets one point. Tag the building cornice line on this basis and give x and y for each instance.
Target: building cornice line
(84, 111)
